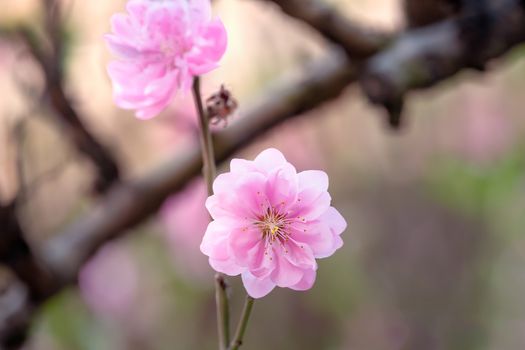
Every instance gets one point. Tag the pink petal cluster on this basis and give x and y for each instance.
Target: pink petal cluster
(161, 46)
(270, 223)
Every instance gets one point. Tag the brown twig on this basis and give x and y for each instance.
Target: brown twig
(50, 61)
(423, 57)
(358, 42)
(15, 313)
(16, 254)
(420, 13)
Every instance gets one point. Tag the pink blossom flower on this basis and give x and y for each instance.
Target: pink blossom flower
(161, 46)
(270, 223)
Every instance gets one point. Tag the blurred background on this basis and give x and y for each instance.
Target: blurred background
(434, 253)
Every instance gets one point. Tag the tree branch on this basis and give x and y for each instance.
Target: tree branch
(420, 13)
(50, 61)
(358, 42)
(16, 254)
(16, 309)
(423, 57)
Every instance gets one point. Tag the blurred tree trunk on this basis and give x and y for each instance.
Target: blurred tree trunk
(420, 13)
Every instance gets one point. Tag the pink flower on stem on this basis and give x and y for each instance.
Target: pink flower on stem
(270, 223)
(161, 46)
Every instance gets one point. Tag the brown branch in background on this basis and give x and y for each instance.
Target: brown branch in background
(419, 13)
(86, 143)
(16, 310)
(25, 284)
(32, 284)
(50, 60)
(358, 42)
(423, 57)
(39, 284)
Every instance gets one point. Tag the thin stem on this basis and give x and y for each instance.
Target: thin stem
(243, 323)
(223, 311)
(208, 157)
(209, 170)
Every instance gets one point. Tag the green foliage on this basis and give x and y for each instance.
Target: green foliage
(71, 325)
(478, 189)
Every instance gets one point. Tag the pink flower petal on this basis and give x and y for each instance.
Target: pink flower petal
(242, 166)
(270, 159)
(300, 255)
(256, 287)
(311, 204)
(335, 220)
(122, 26)
(215, 241)
(319, 239)
(243, 197)
(281, 186)
(323, 235)
(120, 48)
(247, 246)
(316, 179)
(138, 9)
(228, 267)
(306, 282)
(285, 273)
(200, 11)
(209, 49)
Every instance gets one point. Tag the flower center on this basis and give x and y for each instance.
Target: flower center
(273, 225)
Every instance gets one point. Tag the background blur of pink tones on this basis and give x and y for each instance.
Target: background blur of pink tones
(109, 282)
(184, 220)
(6, 57)
(177, 126)
(485, 129)
(434, 252)
(488, 131)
